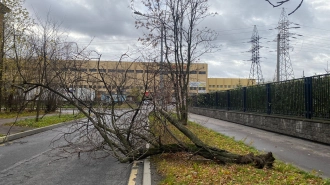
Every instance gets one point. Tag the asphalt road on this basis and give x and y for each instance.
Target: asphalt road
(36, 160)
(307, 155)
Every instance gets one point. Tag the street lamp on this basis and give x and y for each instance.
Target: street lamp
(161, 83)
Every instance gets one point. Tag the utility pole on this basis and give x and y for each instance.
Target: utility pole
(284, 70)
(255, 71)
(278, 58)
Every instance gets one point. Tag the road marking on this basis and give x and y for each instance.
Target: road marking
(133, 175)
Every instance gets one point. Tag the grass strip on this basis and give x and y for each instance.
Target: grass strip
(47, 120)
(5, 115)
(183, 168)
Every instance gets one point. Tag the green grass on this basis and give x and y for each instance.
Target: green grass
(47, 120)
(5, 115)
(182, 168)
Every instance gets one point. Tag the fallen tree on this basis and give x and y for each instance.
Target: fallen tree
(200, 148)
(123, 133)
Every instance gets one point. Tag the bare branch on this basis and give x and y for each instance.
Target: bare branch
(280, 3)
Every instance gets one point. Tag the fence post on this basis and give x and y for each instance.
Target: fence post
(244, 99)
(193, 101)
(208, 97)
(269, 99)
(216, 99)
(228, 100)
(308, 98)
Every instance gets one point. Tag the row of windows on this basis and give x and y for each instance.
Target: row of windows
(121, 70)
(197, 88)
(99, 87)
(222, 86)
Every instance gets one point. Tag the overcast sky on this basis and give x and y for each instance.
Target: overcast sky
(111, 24)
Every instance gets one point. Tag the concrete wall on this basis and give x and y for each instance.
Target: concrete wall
(314, 130)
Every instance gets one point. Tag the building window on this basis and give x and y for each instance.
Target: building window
(102, 70)
(92, 70)
(82, 70)
(130, 71)
(229, 86)
(221, 86)
(139, 71)
(111, 70)
(193, 72)
(217, 86)
(225, 86)
(202, 72)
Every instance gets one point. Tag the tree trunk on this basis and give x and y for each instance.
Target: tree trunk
(38, 108)
(215, 154)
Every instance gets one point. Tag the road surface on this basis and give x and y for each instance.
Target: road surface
(35, 160)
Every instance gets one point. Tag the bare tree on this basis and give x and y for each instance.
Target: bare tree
(16, 21)
(185, 41)
(280, 3)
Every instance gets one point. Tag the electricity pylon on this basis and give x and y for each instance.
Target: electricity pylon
(284, 70)
(255, 76)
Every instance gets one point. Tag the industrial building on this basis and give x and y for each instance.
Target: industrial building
(131, 76)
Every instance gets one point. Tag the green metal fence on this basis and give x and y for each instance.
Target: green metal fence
(307, 97)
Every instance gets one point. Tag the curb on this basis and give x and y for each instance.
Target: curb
(146, 172)
(31, 132)
(146, 175)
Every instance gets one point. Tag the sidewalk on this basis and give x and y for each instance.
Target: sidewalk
(10, 130)
(13, 129)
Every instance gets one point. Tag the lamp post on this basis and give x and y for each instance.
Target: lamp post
(161, 82)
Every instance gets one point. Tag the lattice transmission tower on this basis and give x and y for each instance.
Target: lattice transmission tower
(284, 70)
(255, 76)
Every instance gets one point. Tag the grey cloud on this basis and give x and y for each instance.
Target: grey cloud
(94, 18)
(109, 19)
